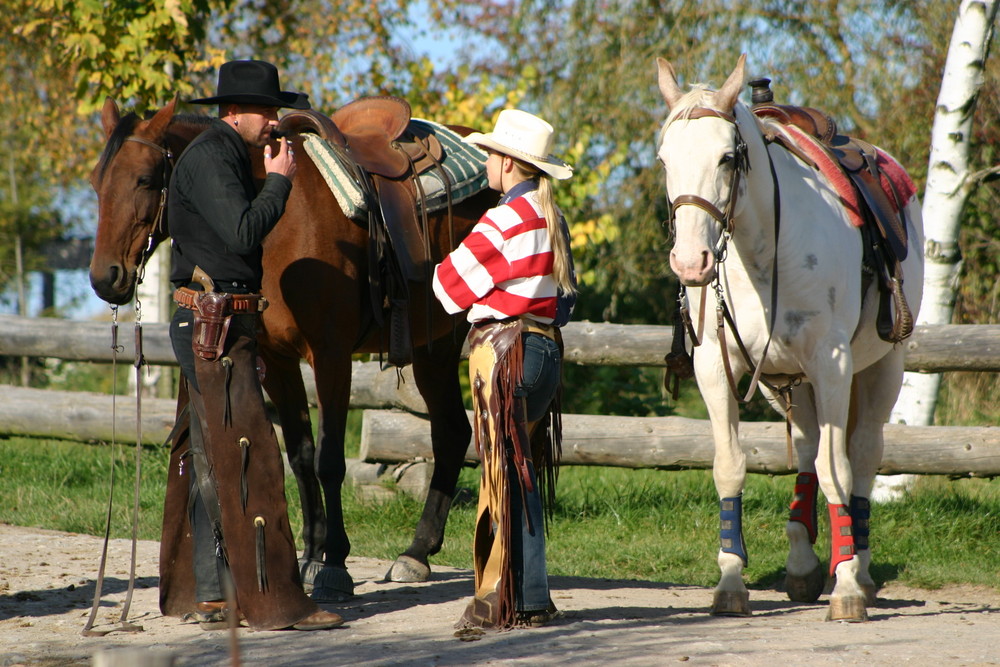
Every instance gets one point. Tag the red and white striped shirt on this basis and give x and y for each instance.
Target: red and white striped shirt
(504, 266)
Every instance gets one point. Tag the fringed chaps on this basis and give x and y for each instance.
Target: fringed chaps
(502, 440)
(246, 468)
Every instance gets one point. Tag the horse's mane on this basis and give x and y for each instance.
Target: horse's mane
(126, 128)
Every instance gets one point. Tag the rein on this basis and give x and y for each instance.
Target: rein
(116, 348)
(124, 624)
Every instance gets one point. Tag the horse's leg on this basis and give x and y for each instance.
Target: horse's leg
(804, 578)
(833, 467)
(333, 583)
(436, 373)
(730, 597)
(875, 392)
(283, 383)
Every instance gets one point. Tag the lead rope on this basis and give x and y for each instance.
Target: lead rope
(137, 363)
(88, 630)
(116, 348)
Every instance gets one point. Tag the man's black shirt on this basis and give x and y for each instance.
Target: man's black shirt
(216, 217)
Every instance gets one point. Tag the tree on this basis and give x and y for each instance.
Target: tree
(950, 181)
(61, 58)
(587, 67)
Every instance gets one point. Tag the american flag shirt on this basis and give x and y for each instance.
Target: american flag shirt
(503, 268)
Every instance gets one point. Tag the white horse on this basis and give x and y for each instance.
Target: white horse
(796, 301)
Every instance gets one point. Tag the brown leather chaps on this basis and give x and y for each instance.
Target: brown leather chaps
(245, 467)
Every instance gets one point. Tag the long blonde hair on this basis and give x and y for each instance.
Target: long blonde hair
(557, 239)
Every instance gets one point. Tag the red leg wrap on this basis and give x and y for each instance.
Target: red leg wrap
(803, 507)
(841, 536)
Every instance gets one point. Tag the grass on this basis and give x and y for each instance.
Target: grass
(607, 523)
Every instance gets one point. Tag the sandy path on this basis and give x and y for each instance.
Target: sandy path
(47, 584)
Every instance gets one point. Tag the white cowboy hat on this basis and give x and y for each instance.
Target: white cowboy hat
(521, 135)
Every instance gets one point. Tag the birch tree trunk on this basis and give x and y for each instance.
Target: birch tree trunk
(948, 189)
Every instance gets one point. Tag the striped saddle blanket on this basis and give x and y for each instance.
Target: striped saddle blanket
(464, 165)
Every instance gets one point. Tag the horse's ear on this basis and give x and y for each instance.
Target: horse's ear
(730, 91)
(109, 116)
(158, 123)
(668, 82)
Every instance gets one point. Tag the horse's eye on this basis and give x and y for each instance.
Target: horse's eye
(144, 181)
(727, 159)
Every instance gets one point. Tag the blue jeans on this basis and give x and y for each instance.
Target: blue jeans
(542, 368)
(541, 376)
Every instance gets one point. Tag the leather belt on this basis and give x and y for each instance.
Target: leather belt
(528, 325)
(251, 304)
(533, 326)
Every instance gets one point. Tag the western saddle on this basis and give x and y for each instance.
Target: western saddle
(375, 141)
(882, 210)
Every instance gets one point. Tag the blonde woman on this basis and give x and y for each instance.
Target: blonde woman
(514, 275)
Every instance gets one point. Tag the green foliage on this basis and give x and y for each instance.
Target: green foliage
(616, 391)
(133, 51)
(64, 375)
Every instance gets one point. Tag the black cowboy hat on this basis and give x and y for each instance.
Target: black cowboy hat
(253, 82)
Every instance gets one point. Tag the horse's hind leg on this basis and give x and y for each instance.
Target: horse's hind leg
(283, 383)
(804, 577)
(873, 395)
(436, 373)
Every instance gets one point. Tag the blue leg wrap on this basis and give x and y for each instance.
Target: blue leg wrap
(860, 514)
(731, 527)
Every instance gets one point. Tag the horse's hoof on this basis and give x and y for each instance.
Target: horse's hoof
(805, 588)
(850, 609)
(729, 603)
(332, 584)
(308, 569)
(408, 570)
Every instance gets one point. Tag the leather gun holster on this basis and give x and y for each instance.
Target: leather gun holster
(212, 316)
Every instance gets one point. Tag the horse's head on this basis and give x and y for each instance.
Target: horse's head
(130, 180)
(703, 156)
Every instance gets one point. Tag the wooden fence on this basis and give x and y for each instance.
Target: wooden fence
(393, 429)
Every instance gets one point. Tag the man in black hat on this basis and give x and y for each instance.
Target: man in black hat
(239, 549)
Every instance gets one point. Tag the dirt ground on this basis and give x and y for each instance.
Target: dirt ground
(47, 586)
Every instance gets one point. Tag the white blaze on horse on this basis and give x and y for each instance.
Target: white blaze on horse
(768, 240)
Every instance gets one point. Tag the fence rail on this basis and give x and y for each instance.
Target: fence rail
(399, 434)
(931, 349)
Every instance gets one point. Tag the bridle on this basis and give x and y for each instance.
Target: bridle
(725, 218)
(741, 165)
(159, 224)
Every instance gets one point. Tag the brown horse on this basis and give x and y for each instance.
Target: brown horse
(316, 279)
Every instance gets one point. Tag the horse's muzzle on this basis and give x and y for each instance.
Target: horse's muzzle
(116, 286)
(694, 269)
